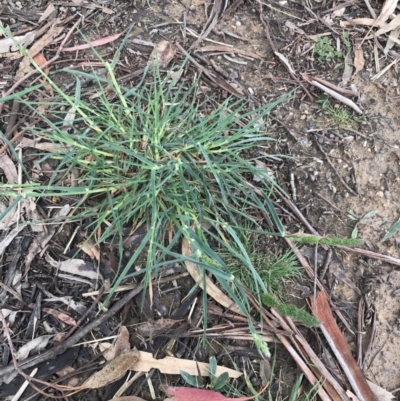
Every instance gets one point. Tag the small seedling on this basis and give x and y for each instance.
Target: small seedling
(392, 230)
(217, 383)
(340, 116)
(325, 51)
(359, 219)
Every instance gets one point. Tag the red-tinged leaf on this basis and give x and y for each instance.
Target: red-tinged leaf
(60, 316)
(98, 42)
(197, 394)
(40, 60)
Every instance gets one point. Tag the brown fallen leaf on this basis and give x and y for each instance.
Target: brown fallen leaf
(114, 370)
(173, 366)
(75, 266)
(120, 345)
(46, 146)
(359, 60)
(9, 45)
(198, 276)
(90, 248)
(9, 169)
(163, 53)
(35, 345)
(40, 60)
(392, 25)
(387, 10)
(61, 316)
(153, 329)
(392, 40)
(48, 12)
(340, 348)
(380, 393)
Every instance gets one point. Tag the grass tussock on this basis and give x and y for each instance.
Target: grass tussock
(158, 156)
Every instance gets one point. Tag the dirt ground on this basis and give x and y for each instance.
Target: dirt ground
(363, 148)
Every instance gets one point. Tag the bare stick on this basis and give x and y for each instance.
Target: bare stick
(337, 96)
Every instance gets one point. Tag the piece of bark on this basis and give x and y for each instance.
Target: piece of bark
(340, 348)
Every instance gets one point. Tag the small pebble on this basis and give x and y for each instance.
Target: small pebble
(238, 23)
(18, 4)
(387, 194)
(251, 91)
(380, 194)
(73, 9)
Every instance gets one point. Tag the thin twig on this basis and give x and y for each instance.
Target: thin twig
(328, 201)
(372, 255)
(337, 96)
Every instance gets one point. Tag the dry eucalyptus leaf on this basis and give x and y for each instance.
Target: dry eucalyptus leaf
(359, 60)
(172, 366)
(392, 40)
(198, 276)
(8, 45)
(75, 266)
(114, 370)
(9, 237)
(120, 346)
(387, 10)
(90, 248)
(37, 344)
(163, 52)
(48, 12)
(46, 146)
(9, 169)
(392, 25)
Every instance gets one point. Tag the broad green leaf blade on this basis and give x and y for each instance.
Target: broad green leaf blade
(220, 381)
(189, 379)
(392, 230)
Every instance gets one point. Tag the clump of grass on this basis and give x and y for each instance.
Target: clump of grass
(274, 267)
(156, 156)
(339, 114)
